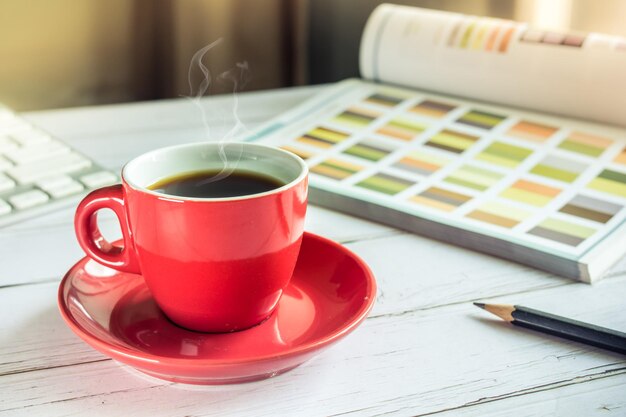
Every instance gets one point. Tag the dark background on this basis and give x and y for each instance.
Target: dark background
(64, 53)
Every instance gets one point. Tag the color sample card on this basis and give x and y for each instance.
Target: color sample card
(585, 144)
(530, 192)
(401, 128)
(553, 38)
(499, 214)
(591, 208)
(558, 168)
(336, 169)
(440, 199)
(621, 157)
(504, 154)
(452, 141)
(385, 183)
(421, 163)
(534, 132)
(323, 137)
(491, 36)
(481, 119)
(474, 177)
(369, 149)
(431, 108)
(357, 117)
(477, 167)
(568, 233)
(611, 182)
(385, 99)
(480, 34)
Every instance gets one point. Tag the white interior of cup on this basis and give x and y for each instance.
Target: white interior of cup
(159, 164)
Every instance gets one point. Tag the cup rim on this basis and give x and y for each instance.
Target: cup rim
(304, 171)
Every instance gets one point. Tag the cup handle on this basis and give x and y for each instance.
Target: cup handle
(123, 258)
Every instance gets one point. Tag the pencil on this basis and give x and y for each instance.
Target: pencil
(559, 326)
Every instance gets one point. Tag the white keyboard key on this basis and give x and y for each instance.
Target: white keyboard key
(5, 208)
(28, 199)
(74, 188)
(99, 179)
(34, 152)
(6, 183)
(40, 171)
(55, 182)
(60, 186)
(6, 144)
(30, 136)
(5, 163)
(59, 164)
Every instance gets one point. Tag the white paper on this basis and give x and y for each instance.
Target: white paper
(581, 75)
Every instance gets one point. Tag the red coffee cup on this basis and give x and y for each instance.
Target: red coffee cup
(212, 264)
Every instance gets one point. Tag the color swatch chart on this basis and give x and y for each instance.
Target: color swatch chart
(496, 35)
(513, 176)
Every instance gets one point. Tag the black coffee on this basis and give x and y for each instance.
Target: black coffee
(202, 184)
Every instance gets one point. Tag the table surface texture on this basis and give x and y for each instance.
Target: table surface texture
(423, 350)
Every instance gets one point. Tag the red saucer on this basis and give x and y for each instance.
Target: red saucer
(330, 294)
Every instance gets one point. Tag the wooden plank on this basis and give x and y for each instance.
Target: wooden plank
(449, 275)
(106, 120)
(414, 272)
(343, 228)
(412, 363)
(36, 337)
(54, 245)
(114, 151)
(423, 350)
(584, 398)
(442, 269)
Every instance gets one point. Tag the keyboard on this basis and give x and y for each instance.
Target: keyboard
(39, 173)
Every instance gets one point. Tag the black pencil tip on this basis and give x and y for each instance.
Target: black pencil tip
(481, 305)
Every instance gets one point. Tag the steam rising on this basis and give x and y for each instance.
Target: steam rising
(238, 76)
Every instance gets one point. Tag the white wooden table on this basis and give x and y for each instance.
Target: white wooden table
(424, 349)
